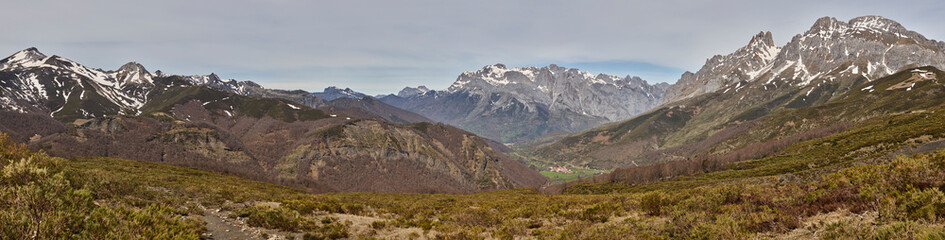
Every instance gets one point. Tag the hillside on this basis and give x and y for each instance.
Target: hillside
(860, 126)
(892, 197)
(276, 141)
(736, 97)
(837, 134)
(69, 110)
(371, 108)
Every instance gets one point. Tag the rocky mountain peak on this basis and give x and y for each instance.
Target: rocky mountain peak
(409, 91)
(332, 93)
(826, 24)
(868, 46)
(875, 23)
(556, 68)
(213, 77)
(133, 67)
(865, 27)
(762, 39)
(25, 58)
(133, 72)
(744, 64)
(553, 98)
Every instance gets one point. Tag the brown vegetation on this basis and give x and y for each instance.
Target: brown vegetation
(329, 154)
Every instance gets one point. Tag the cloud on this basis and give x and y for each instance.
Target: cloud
(381, 46)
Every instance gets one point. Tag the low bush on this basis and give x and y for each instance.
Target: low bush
(652, 203)
(274, 218)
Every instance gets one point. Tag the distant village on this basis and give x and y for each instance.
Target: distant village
(561, 170)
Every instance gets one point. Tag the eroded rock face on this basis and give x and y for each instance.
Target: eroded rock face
(521, 104)
(328, 154)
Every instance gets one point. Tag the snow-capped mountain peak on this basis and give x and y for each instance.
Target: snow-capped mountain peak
(498, 76)
(762, 45)
(332, 93)
(34, 82)
(876, 23)
(409, 91)
(828, 27)
(745, 64)
(133, 67)
(870, 47)
(524, 103)
(494, 75)
(133, 72)
(30, 57)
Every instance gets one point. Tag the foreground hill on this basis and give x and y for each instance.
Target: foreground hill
(892, 197)
(69, 110)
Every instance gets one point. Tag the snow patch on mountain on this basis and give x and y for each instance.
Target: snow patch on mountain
(332, 93)
(869, 46)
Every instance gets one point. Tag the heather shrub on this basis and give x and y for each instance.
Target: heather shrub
(652, 203)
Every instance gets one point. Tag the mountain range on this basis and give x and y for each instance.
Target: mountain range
(523, 104)
(836, 134)
(70, 110)
(613, 122)
(728, 96)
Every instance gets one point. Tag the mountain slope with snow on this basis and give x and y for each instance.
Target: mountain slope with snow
(55, 86)
(869, 47)
(522, 104)
(32, 82)
(239, 127)
(732, 91)
(332, 93)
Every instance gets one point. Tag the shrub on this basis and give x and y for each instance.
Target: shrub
(273, 218)
(926, 204)
(477, 217)
(329, 231)
(379, 225)
(39, 201)
(598, 213)
(652, 203)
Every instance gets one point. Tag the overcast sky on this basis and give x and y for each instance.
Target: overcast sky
(381, 46)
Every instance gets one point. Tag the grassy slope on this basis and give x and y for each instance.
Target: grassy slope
(558, 177)
(219, 100)
(897, 199)
(699, 118)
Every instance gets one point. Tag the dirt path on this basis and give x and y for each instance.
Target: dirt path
(221, 228)
(932, 146)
